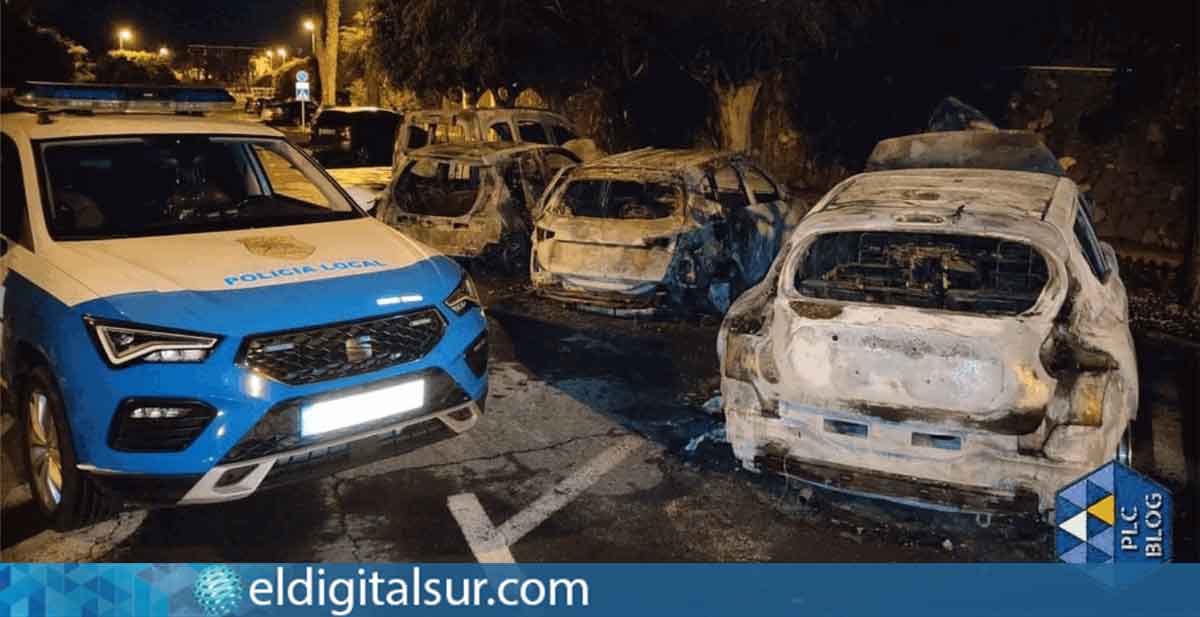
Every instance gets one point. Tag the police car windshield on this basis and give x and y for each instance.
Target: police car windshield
(175, 184)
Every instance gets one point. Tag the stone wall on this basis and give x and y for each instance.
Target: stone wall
(1132, 150)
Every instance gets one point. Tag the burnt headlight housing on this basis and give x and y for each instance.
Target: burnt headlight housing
(122, 344)
(463, 297)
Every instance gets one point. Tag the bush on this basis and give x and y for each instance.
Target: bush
(134, 67)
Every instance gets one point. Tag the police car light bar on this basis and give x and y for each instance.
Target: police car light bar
(52, 96)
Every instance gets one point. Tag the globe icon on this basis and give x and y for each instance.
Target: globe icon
(218, 590)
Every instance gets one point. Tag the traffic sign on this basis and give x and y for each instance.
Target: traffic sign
(302, 92)
(301, 75)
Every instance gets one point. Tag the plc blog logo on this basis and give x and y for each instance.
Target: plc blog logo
(1113, 515)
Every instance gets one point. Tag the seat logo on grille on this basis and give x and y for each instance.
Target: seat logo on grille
(359, 349)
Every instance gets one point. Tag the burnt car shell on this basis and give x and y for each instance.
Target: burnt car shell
(658, 231)
(956, 338)
(472, 200)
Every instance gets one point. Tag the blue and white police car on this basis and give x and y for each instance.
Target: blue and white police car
(193, 310)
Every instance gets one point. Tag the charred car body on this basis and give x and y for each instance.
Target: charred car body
(956, 337)
(510, 125)
(472, 200)
(653, 230)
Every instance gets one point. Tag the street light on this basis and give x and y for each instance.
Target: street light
(311, 26)
(163, 52)
(124, 34)
(282, 54)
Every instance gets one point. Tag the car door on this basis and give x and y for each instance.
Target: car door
(13, 236)
(441, 203)
(767, 223)
(737, 226)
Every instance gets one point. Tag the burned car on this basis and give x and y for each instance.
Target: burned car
(957, 337)
(472, 200)
(512, 125)
(652, 231)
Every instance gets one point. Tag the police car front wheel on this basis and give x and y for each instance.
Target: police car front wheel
(63, 493)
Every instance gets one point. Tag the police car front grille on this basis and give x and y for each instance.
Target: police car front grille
(343, 349)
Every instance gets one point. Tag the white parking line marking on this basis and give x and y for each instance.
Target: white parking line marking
(491, 544)
(485, 542)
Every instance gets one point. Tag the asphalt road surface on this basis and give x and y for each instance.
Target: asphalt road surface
(596, 446)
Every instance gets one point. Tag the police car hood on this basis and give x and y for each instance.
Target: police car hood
(260, 278)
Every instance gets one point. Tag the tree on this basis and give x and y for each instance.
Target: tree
(134, 67)
(464, 47)
(32, 52)
(326, 50)
(732, 46)
(357, 59)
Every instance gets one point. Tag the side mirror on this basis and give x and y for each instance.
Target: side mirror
(365, 198)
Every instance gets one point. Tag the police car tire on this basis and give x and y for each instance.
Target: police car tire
(82, 502)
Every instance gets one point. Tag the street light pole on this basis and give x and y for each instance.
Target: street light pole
(311, 26)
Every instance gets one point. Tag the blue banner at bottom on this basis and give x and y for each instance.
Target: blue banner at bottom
(692, 590)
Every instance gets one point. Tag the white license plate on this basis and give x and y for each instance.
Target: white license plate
(325, 131)
(354, 409)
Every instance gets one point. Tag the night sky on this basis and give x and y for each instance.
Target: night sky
(178, 23)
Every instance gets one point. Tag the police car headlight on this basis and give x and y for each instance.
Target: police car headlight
(464, 296)
(122, 343)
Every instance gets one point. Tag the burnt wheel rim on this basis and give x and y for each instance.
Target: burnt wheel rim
(1125, 447)
(45, 455)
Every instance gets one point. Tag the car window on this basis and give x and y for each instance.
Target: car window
(449, 134)
(621, 199)
(760, 186)
(562, 134)
(952, 272)
(175, 184)
(499, 131)
(729, 188)
(286, 179)
(1086, 234)
(556, 161)
(439, 188)
(584, 198)
(13, 206)
(417, 137)
(531, 132)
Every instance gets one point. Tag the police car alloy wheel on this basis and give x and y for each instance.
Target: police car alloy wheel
(45, 457)
(64, 494)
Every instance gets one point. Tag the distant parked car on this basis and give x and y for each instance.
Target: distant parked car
(359, 135)
(254, 105)
(472, 200)
(283, 113)
(508, 125)
(653, 231)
